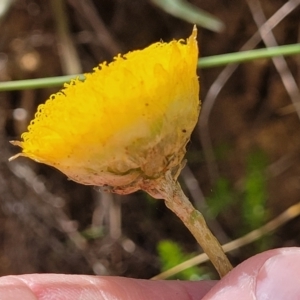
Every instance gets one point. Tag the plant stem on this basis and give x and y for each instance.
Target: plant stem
(170, 190)
(204, 62)
(246, 56)
(195, 222)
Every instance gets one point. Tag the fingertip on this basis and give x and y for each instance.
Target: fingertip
(273, 274)
(278, 278)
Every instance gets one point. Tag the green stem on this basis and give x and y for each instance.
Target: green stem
(46, 82)
(170, 190)
(245, 56)
(205, 62)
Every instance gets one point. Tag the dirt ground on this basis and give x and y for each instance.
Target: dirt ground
(50, 224)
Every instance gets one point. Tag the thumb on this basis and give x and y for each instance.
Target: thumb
(270, 275)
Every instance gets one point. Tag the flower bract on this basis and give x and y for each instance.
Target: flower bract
(127, 122)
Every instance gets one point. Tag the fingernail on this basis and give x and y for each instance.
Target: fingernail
(279, 277)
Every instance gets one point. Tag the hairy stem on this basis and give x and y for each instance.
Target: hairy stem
(170, 190)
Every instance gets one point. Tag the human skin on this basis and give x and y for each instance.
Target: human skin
(270, 275)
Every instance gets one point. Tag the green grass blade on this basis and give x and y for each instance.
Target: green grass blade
(245, 56)
(37, 83)
(205, 62)
(190, 13)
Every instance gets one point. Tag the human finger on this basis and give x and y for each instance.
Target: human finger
(272, 275)
(84, 287)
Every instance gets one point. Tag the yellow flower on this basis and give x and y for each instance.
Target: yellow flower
(127, 122)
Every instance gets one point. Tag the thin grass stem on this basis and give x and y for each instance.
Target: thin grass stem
(205, 62)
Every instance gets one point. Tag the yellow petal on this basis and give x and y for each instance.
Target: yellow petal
(128, 121)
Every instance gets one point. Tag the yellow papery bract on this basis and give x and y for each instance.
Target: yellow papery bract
(126, 123)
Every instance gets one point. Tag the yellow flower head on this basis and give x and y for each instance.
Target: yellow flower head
(127, 122)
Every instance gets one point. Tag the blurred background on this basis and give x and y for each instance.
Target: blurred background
(243, 166)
